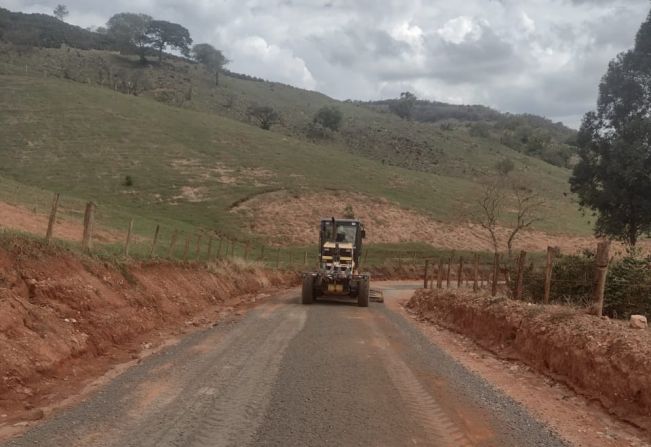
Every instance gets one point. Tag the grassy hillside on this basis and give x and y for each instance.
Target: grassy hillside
(453, 151)
(192, 166)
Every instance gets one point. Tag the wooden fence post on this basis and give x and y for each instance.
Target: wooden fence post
(305, 258)
(426, 268)
(601, 270)
(170, 250)
(246, 251)
(89, 219)
(128, 241)
(460, 273)
(209, 248)
(365, 257)
(278, 257)
(475, 273)
(155, 241)
(52, 220)
(197, 248)
(496, 274)
(439, 275)
(413, 262)
(548, 274)
(519, 281)
(219, 247)
(447, 277)
(186, 248)
(232, 248)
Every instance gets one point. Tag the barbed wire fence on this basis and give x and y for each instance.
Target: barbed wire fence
(593, 280)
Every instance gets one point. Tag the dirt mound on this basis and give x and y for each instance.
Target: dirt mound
(18, 218)
(65, 320)
(600, 358)
(292, 219)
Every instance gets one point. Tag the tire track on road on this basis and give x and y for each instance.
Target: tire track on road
(223, 405)
(424, 408)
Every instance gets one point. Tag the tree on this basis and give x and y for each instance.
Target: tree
(329, 117)
(60, 12)
(490, 208)
(163, 34)
(130, 31)
(266, 116)
(504, 166)
(495, 197)
(404, 106)
(612, 175)
(209, 56)
(527, 208)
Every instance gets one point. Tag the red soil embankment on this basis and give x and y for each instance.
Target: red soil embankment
(600, 358)
(66, 319)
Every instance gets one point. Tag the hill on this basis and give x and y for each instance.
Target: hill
(164, 143)
(191, 166)
(529, 134)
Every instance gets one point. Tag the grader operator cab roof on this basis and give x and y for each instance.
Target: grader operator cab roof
(347, 230)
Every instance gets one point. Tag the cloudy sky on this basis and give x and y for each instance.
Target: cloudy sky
(537, 56)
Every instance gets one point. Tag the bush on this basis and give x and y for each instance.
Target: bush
(328, 117)
(504, 166)
(571, 280)
(128, 181)
(628, 287)
(316, 131)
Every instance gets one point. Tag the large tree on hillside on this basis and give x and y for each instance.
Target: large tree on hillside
(60, 12)
(213, 59)
(163, 34)
(613, 176)
(404, 106)
(130, 31)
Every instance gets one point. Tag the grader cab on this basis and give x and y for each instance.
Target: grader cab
(340, 249)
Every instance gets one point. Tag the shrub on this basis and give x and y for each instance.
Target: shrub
(328, 117)
(128, 180)
(572, 277)
(628, 287)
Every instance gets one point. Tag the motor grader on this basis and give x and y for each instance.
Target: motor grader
(340, 249)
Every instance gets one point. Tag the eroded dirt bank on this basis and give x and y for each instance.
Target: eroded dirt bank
(66, 319)
(600, 358)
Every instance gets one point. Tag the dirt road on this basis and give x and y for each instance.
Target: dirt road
(293, 375)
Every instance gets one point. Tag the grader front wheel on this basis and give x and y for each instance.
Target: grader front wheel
(307, 296)
(363, 293)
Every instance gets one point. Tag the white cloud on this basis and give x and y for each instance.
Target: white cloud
(460, 29)
(271, 61)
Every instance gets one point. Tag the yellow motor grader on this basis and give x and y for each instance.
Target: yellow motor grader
(340, 249)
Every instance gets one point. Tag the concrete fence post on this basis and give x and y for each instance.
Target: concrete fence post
(170, 250)
(475, 274)
(128, 241)
(601, 271)
(439, 275)
(52, 219)
(519, 281)
(89, 220)
(460, 273)
(496, 274)
(548, 274)
(152, 251)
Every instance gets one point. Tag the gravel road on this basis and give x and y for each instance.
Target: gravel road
(330, 374)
